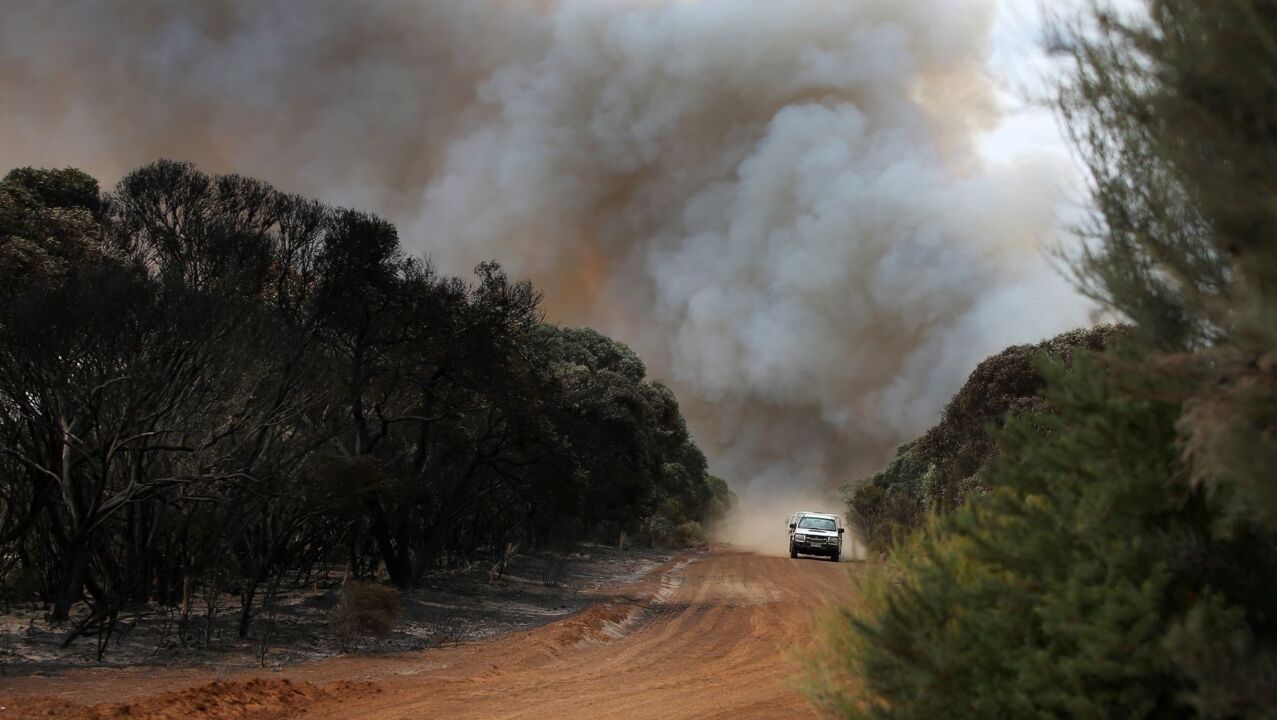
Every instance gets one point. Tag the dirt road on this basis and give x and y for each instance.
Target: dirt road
(705, 637)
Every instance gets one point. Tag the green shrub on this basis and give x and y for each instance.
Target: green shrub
(1124, 561)
(939, 470)
(1055, 594)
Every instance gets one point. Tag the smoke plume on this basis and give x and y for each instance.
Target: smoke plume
(779, 204)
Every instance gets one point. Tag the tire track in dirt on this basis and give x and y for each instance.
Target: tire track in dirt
(706, 637)
(714, 648)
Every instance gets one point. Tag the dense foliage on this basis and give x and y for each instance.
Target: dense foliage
(939, 470)
(1124, 562)
(208, 385)
(1176, 118)
(1061, 592)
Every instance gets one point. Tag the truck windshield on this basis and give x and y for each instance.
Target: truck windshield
(816, 523)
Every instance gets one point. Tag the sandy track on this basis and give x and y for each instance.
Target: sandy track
(707, 637)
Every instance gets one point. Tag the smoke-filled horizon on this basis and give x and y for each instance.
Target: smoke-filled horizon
(779, 205)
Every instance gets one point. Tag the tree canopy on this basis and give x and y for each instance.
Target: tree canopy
(206, 382)
(1123, 561)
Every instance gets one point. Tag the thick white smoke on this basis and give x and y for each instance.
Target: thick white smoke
(778, 203)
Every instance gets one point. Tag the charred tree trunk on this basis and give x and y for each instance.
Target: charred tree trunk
(71, 589)
(392, 545)
(246, 597)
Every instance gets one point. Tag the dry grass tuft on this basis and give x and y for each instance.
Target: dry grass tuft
(365, 610)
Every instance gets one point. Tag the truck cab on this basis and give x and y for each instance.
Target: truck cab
(814, 533)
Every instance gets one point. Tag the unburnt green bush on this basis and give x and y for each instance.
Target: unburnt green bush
(939, 470)
(1064, 591)
(1123, 562)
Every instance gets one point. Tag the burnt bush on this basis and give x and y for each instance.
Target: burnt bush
(365, 610)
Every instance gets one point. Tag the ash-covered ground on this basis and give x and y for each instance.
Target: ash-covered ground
(460, 606)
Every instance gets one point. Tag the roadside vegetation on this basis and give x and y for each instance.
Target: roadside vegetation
(1120, 559)
(938, 471)
(210, 387)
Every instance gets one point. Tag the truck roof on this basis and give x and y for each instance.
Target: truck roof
(820, 514)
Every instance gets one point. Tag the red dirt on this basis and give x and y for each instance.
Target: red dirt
(707, 639)
(256, 699)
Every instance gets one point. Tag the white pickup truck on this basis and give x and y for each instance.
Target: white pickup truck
(813, 533)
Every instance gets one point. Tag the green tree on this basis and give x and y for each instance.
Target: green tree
(1124, 563)
(645, 474)
(49, 221)
(1174, 112)
(938, 471)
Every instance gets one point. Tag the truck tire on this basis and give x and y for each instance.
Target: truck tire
(834, 557)
(793, 554)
